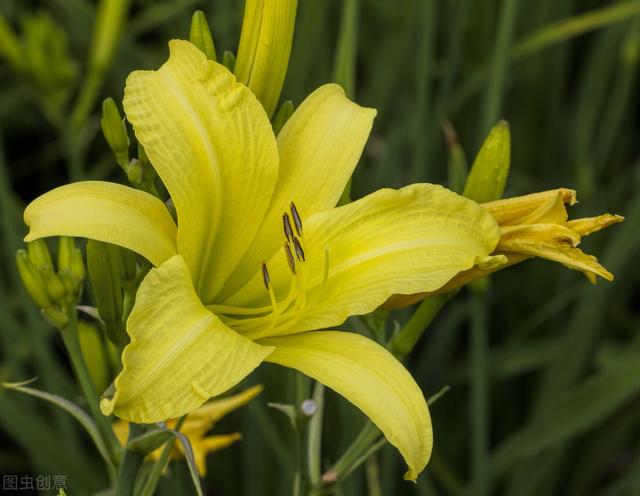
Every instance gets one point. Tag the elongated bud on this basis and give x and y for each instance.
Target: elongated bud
(457, 169)
(200, 35)
(115, 132)
(104, 274)
(66, 245)
(32, 280)
(70, 266)
(53, 285)
(265, 46)
(229, 60)
(39, 255)
(282, 116)
(488, 176)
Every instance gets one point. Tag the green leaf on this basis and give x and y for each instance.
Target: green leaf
(150, 441)
(76, 412)
(191, 462)
(579, 410)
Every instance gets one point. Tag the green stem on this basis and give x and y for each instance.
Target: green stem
(151, 483)
(479, 395)
(314, 442)
(367, 436)
(402, 343)
(131, 463)
(70, 337)
(302, 383)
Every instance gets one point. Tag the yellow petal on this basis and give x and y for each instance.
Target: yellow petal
(589, 225)
(533, 208)
(180, 354)
(372, 379)
(106, 212)
(265, 46)
(319, 147)
(391, 242)
(213, 147)
(555, 243)
(214, 410)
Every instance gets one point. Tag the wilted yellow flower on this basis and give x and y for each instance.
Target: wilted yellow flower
(196, 426)
(535, 225)
(240, 280)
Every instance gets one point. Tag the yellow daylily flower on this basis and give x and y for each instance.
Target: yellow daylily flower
(196, 426)
(534, 225)
(260, 259)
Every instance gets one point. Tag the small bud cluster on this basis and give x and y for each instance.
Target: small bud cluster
(139, 171)
(53, 289)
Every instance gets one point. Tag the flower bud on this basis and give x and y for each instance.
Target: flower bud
(265, 46)
(104, 275)
(200, 35)
(229, 60)
(115, 132)
(39, 255)
(55, 316)
(488, 176)
(32, 280)
(282, 116)
(53, 285)
(70, 266)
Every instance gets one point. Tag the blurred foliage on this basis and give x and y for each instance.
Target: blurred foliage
(559, 410)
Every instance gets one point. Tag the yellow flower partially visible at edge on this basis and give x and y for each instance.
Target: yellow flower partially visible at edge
(261, 258)
(196, 426)
(535, 225)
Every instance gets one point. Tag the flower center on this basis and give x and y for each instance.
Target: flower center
(279, 315)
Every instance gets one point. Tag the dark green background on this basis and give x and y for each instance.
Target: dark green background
(564, 360)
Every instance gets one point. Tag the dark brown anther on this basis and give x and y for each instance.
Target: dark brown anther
(296, 219)
(299, 251)
(290, 260)
(288, 232)
(265, 276)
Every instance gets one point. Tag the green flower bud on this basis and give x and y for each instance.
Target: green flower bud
(32, 280)
(135, 172)
(66, 245)
(55, 316)
(39, 255)
(200, 35)
(115, 132)
(265, 46)
(282, 116)
(488, 176)
(53, 285)
(104, 274)
(229, 60)
(70, 266)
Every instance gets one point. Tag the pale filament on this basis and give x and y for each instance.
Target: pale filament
(279, 315)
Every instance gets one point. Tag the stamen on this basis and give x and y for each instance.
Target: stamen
(288, 232)
(298, 248)
(265, 276)
(296, 219)
(290, 259)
